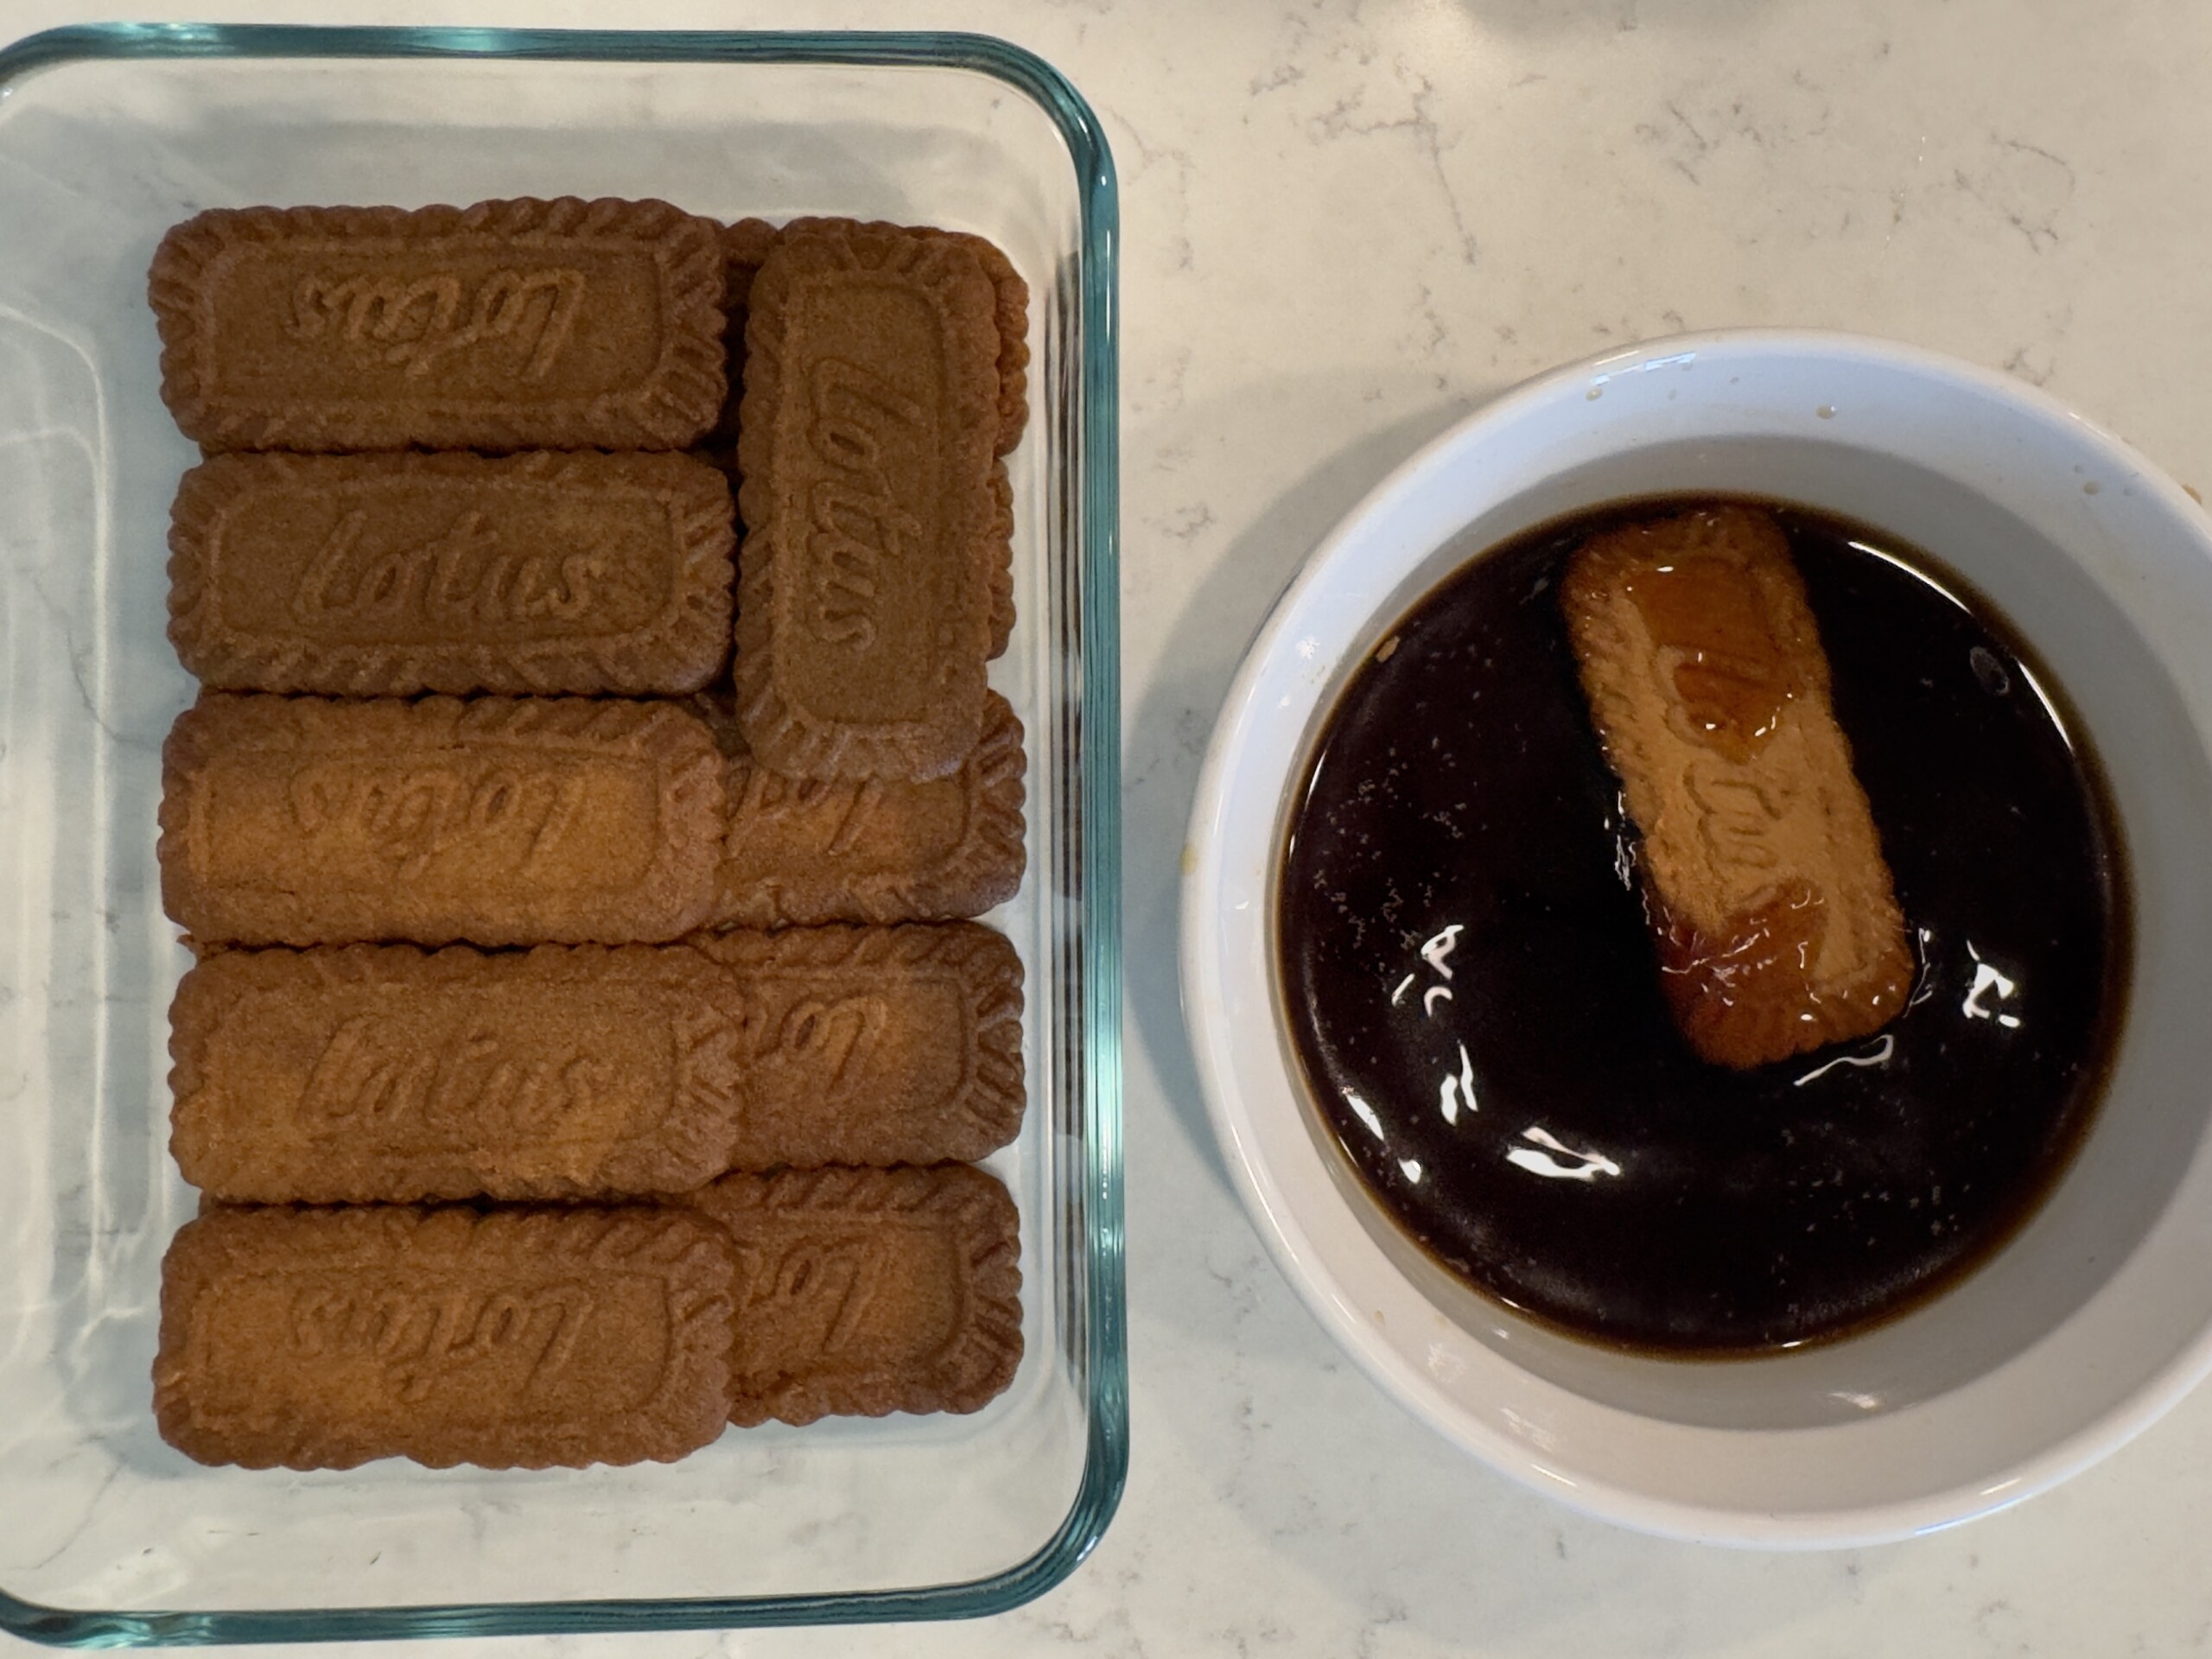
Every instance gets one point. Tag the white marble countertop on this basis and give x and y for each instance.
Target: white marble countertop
(1345, 224)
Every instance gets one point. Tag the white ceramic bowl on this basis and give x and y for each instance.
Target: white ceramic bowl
(2098, 1315)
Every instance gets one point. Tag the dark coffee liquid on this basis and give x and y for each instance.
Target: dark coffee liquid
(1476, 1002)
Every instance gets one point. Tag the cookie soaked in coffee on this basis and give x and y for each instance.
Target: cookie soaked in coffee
(1770, 903)
(1477, 1003)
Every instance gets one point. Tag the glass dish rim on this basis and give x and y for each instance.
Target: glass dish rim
(1097, 827)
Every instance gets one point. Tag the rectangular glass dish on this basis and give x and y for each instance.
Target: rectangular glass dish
(110, 135)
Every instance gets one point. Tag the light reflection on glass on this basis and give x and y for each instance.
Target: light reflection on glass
(1412, 1167)
(1364, 1113)
(1547, 1157)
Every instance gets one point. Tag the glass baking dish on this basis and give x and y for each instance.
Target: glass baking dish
(109, 135)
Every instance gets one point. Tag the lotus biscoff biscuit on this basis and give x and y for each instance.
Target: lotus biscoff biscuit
(526, 1338)
(746, 247)
(866, 1292)
(747, 243)
(388, 1074)
(509, 325)
(540, 1255)
(385, 575)
(873, 527)
(1772, 908)
(875, 1045)
(801, 851)
(497, 821)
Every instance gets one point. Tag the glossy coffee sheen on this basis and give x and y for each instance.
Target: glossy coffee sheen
(1474, 1003)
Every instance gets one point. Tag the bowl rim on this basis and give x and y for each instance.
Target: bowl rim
(1232, 1115)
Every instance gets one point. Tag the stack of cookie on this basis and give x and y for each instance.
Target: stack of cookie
(600, 1172)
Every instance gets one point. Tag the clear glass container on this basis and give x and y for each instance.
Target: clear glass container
(107, 136)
